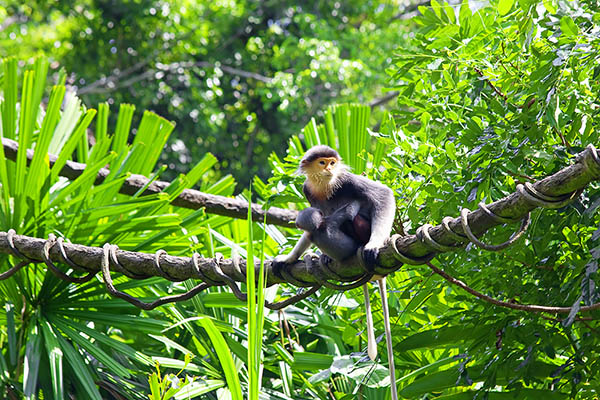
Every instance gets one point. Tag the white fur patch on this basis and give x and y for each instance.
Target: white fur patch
(323, 186)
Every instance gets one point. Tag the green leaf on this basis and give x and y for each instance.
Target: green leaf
(285, 355)
(10, 93)
(33, 353)
(154, 387)
(122, 321)
(68, 124)
(195, 389)
(84, 181)
(102, 122)
(171, 344)
(55, 359)
(150, 139)
(304, 360)
(39, 167)
(80, 370)
(224, 299)
(119, 143)
(430, 367)
(550, 6)
(568, 26)
(450, 150)
(520, 394)
(9, 308)
(504, 6)
(229, 368)
(177, 364)
(435, 338)
(91, 347)
(374, 376)
(118, 346)
(66, 150)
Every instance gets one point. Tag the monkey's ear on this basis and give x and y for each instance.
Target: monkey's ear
(301, 167)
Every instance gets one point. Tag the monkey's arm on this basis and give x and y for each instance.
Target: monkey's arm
(299, 248)
(382, 219)
(343, 214)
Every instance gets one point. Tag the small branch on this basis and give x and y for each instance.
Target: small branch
(498, 92)
(382, 100)
(525, 178)
(100, 85)
(115, 81)
(514, 306)
(189, 198)
(235, 71)
(562, 137)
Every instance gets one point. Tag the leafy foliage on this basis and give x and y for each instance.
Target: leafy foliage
(239, 77)
(91, 343)
(490, 96)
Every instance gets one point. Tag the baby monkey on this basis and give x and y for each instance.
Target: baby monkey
(325, 232)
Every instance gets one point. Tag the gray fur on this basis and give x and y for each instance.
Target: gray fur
(325, 232)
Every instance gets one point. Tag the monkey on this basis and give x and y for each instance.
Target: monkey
(330, 187)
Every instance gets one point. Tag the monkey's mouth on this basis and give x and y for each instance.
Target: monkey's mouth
(321, 178)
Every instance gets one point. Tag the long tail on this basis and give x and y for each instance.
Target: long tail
(388, 336)
(371, 344)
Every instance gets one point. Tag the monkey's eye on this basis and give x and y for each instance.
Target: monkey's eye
(333, 162)
(322, 162)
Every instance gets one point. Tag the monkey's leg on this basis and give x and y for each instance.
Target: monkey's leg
(300, 247)
(388, 336)
(371, 344)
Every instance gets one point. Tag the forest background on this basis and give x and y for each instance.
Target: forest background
(459, 102)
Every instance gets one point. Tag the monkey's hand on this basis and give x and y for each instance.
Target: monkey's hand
(284, 259)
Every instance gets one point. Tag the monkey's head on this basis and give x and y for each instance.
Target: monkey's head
(309, 219)
(320, 164)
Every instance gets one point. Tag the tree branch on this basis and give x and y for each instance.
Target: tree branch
(189, 198)
(116, 80)
(309, 272)
(411, 11)
(515, 306)
(100, 85)
(89, 259)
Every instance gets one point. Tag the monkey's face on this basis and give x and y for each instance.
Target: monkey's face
(324, 167)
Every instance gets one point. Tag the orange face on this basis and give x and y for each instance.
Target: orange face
(324, 164)
(319, 173)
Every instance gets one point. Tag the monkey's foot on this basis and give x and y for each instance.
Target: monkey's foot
(325, 259)
(370, 258)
